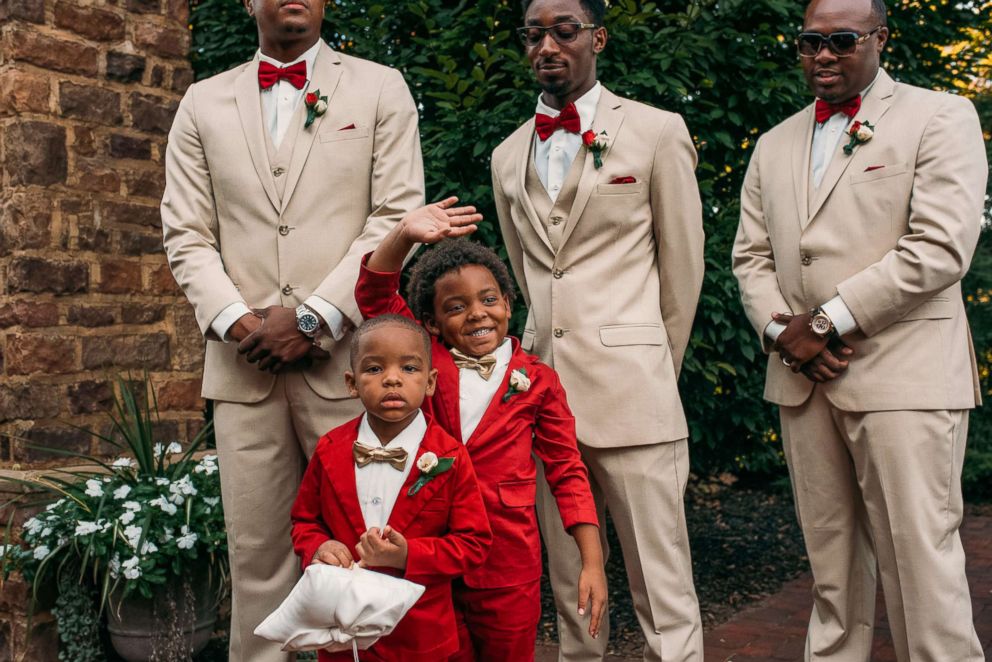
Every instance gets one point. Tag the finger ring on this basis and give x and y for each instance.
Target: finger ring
(786, 361)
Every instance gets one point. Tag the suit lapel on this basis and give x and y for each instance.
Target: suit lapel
(608, 119)
(326, 74)
(802, 147)
(340, 471)
(408, 507)
(517, 361)
(524, 156)
(248, 100)
(873, 107)
(447, 393)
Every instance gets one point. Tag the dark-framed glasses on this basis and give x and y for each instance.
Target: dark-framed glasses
(563, 33)
(841, 44)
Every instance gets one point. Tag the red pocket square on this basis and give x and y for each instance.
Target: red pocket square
(870, 168)
(624, 180)
(347, 128)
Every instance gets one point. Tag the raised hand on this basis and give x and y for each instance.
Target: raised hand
(440, 220)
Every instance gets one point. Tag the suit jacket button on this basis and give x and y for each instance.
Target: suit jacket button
(278, 171)
(559, 333)
(284, 230)
(557, 273)
(287, 290)
(807, 260)
(556, 220)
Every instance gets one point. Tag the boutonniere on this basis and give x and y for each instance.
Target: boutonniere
(430, 467)
(596, 144)
(860, 132)
(316, 106)
(519, 382)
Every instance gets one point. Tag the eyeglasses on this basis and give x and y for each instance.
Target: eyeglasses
(841, 44)
(563, 33)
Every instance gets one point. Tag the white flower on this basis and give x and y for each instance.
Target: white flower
(186, 540)
(34, 526)
(131, 569)
(94, 488)
(519, 381)
(148, 547)
(157, 449)
(47, 531)
(132, 505)
(41, 551)
(865, 133)
(183, 486)
(126, 517)
(114, 566)
(162, 481)
(52, 506)
(86, 528)
(123, 463)
(122, 492)
(320, 107)
(427, 462)
(211, 501)
(133, 535)
(207, 465)
(167, 535)
(166, 507)
(174, 448)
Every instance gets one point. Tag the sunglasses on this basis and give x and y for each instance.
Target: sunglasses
(563, 33)
(841, 44)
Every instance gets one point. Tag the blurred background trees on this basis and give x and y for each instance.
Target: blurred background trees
(729, 67)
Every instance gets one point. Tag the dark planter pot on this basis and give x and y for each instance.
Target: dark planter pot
(176, 623)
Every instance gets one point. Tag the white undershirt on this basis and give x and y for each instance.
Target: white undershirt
(378, 483)
(475, 393)
(826, 140)
(553, 157)
(279, 103)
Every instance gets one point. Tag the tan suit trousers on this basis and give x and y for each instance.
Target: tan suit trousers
(882, 487)
(262, 450)
(643, 489)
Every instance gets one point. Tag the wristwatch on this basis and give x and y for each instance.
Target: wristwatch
(307, 321)
(820, 323)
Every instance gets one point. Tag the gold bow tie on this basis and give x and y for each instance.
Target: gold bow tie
(396, 457)
(484, 364)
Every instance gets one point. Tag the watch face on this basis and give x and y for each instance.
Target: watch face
(821, 325)
(307, 323)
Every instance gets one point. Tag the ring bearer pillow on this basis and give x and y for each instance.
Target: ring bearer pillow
(339, 609)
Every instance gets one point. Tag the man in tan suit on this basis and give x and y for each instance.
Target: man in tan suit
(606, 242)
(850, 253)
(272, 197)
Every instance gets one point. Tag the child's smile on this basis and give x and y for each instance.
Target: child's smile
(471, 313)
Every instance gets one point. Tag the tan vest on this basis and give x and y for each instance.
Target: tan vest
(554, 214)
(279, 159)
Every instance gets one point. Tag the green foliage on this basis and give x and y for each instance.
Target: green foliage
(729, 67)
(78, 621)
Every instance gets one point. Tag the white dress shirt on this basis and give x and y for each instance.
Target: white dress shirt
(475, 393)
(378, 483)
(279, 103)
(553, 157)
(826, 139)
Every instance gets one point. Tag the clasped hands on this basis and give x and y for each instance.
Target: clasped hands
(376, 549)
(271, 338)
(820, 359)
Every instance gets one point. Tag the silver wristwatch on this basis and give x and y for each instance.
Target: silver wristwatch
(820, 323)
(307, 321)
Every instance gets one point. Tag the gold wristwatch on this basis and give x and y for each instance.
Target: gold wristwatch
(820, 323)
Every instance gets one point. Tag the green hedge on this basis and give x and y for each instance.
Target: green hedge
(729, 67)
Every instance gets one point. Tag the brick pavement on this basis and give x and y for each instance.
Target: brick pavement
(774, 630)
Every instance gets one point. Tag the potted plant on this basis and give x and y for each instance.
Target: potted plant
(140, 538)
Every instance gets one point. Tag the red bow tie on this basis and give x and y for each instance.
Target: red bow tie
(825, 110)
(269, 75)
(567, 119)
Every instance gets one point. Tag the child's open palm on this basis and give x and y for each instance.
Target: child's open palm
(440, 220)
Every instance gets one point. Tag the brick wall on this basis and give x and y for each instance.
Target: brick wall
(88, 89)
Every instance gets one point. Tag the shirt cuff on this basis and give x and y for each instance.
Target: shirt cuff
(227, 317)
(774, 330)
(333, 317)
(840, 315)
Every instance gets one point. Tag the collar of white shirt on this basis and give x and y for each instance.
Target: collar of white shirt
(475, 393)
(586, 105)
(310, 56)
(409, 439)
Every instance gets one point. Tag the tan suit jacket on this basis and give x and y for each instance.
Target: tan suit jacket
(892, 229)
(231, 237)
(612, 308)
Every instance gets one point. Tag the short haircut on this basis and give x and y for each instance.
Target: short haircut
(595, 8)
(879, 12)
(389, 320)
(451, 255)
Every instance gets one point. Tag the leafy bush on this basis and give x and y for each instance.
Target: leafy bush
(729, 67)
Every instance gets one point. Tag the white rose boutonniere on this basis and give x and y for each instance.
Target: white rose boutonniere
(519, 383)
(430, 467)
(860, 132)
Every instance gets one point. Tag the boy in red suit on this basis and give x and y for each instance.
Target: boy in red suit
(505, 406)
(369, 488)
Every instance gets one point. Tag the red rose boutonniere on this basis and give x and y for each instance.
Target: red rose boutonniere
(860, 132)
(596, 144)
(316, 106)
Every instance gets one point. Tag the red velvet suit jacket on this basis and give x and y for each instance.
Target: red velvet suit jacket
(537, 421)
(444, 523)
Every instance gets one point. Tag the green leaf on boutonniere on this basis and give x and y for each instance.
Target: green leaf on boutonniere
(443, 465)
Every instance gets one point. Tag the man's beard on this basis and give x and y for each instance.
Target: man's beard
(555, 88)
